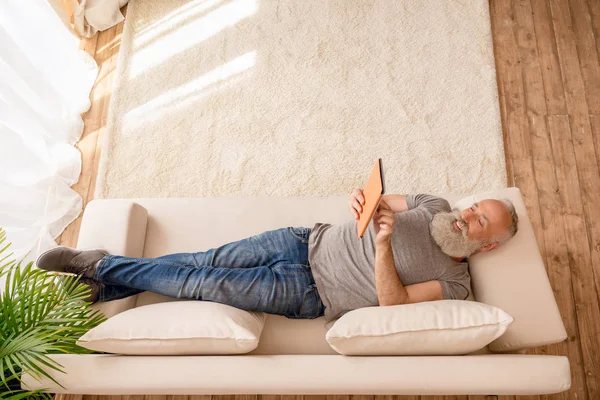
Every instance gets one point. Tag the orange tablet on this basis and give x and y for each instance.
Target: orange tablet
(373, 193)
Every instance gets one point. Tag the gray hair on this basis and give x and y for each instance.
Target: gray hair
(514, 226)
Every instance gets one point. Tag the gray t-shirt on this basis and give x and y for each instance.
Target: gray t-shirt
(343, 264)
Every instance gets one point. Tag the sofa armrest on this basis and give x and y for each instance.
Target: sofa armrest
(119, 226)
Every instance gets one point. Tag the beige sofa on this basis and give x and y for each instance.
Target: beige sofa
(293, 356)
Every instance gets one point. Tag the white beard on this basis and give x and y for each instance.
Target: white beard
(451, 241)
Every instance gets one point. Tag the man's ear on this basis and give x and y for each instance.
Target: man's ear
(488, 247)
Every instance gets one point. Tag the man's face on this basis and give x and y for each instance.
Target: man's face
(462, 233)
(485, 219)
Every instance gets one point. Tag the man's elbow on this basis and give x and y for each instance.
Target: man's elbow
(394, 301)
(417, 293)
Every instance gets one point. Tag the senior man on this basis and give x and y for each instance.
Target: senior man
(414, 250)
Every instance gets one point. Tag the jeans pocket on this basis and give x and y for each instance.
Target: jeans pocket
(300, 233)
(311, 305)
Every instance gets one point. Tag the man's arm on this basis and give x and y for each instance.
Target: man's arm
(397, 202)
(391, 291)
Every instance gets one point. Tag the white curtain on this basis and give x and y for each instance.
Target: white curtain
(45, 83)
(86, 17)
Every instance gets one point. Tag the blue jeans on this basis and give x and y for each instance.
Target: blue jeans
(268, 272)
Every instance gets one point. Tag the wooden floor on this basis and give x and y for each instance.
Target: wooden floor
(549, 85)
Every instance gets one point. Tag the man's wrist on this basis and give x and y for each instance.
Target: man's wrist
(383, 245)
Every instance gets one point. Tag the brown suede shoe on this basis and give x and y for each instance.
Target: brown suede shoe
(94, 286)
(66, 259)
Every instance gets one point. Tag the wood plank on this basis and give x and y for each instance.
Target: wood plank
(586, 50)
(568, 57)
(594, 7)
(271, 397)
(315, 397)
(408, 397)
(548, 57)
(223, 397)
(488, 397)
(518, 144)
(246, 397)
(595, 125)
(502, 100)
(452, 397)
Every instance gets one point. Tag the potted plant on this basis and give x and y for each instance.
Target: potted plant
(41, 313)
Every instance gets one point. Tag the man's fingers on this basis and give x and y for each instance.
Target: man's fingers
(358, 194)
(388, 213)
(387, 219)
(357, 206)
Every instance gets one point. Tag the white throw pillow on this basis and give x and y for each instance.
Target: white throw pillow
(178, 328)
(443, 327)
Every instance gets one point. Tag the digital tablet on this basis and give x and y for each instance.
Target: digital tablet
(373, 193)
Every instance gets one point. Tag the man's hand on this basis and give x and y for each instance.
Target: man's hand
(355, 202)
(383, 222)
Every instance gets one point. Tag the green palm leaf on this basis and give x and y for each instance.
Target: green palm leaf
(43, 313)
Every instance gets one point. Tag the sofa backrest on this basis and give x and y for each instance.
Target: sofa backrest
(512, 277)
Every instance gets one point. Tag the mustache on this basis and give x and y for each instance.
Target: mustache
(451, 241)
(460, 222)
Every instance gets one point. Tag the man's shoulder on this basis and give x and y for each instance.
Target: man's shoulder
(429, 202)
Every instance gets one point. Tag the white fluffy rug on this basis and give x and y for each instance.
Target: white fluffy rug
(292, 98)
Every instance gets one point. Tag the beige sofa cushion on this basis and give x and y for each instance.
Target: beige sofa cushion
(444, 327)
(190, 327)
(514, 278)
